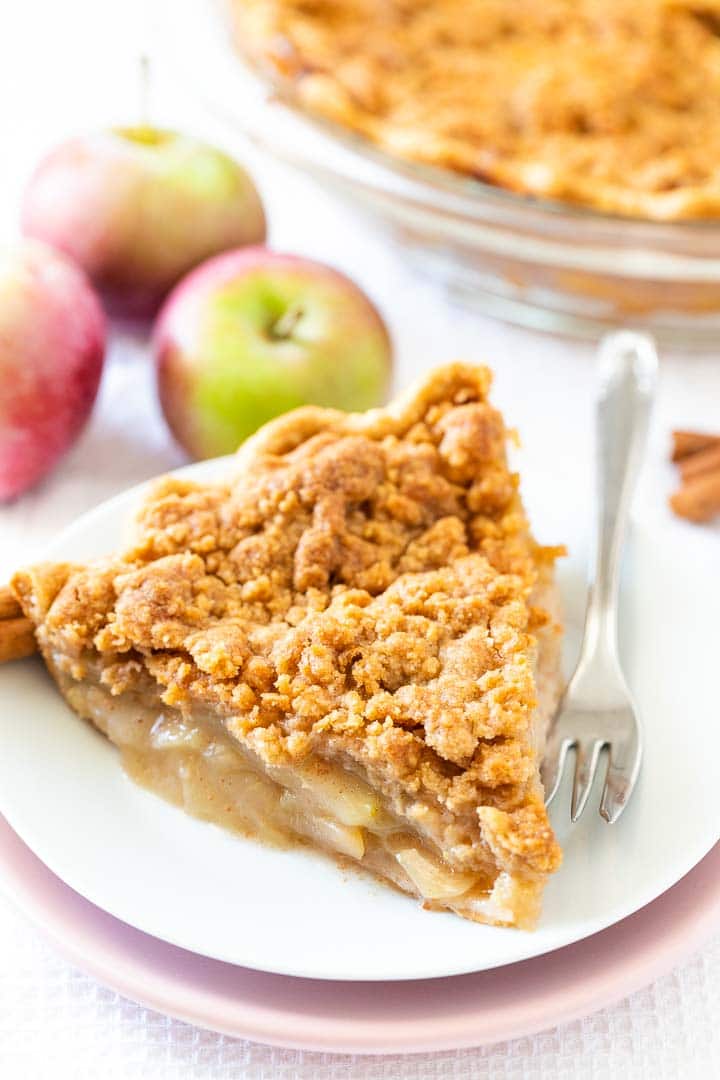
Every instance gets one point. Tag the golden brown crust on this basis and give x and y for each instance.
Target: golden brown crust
(362, 593)
(610, 103)
(37, 586)
(9, 606)
(17, 638)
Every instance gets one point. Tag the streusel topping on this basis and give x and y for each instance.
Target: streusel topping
(362, 588)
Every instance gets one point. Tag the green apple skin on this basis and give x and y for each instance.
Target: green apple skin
(251, 334)
(137, 208)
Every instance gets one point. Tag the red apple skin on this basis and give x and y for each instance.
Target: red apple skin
(251, 334)
(137, 208)
(52, 346)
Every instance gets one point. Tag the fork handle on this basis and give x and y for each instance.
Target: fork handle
(627, 375)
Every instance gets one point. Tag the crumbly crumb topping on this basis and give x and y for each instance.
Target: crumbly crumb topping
(610, 103)
(361, 590)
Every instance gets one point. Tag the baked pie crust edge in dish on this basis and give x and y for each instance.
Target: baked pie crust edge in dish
(609, 104)
(354, 643)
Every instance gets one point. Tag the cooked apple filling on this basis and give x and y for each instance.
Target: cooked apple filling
(196, 765)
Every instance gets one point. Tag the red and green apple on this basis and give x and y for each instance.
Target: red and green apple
(251, 334)
(52, 345)
(138, 207)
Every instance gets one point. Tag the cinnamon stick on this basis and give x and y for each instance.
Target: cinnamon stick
(703, 461)
(685, 443)
(699, 498)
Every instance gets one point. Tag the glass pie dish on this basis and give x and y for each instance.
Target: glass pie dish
(535, 262)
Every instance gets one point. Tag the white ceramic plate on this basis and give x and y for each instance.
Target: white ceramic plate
(63, 790)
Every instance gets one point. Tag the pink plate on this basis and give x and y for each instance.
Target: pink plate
(368, 1018)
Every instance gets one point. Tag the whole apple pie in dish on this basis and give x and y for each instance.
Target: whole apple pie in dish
(354, 643)
(612, 104)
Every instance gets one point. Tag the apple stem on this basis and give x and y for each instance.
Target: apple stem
(144, 95)
(285, 325)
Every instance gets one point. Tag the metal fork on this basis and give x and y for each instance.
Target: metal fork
(597, 710)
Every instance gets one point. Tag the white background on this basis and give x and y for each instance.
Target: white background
(66, 67)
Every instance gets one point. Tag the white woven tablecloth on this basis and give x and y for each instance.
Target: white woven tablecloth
(69, 67)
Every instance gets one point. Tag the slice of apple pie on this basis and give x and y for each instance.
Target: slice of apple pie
(352, 642)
